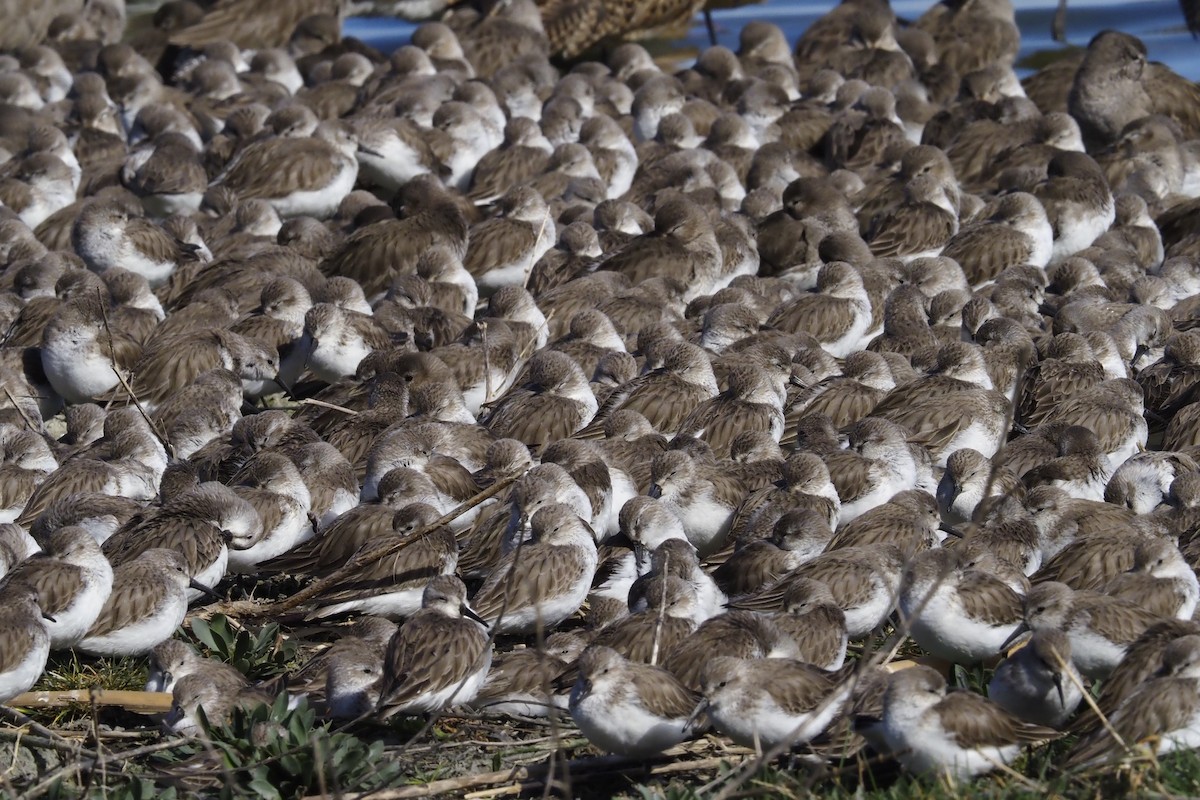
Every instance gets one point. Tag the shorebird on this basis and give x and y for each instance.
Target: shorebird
(957, 734)
(1164, 713)
(106, 235)
(700, 495)
(202, 524)
(145, 608)
(960, 615)
(503, 250)
(72, 578)
(765, 702)
(539, 584)
(628, 708)
(1039, 683)
(797, 536)
(175, 659)
(555, 402)
(439, 657)
(216, 693)
(390, 587)
(1100, 628)
(863, 582)
(26, 641)
(522, 682)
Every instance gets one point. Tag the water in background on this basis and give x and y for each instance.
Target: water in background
(1157, 22)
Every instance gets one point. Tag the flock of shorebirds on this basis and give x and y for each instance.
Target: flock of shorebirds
(760, 358)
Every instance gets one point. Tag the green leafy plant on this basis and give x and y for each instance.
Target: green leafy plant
(273, 752)
(256, 655)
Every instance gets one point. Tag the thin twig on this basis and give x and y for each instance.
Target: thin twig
(364, 556)
(487, 366)
(312, 401)
(21, 411)
(112, 358)
(662, 610)
(138, 702)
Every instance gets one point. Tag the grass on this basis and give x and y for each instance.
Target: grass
(276, 753)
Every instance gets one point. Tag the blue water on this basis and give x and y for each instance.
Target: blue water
(1157, 22)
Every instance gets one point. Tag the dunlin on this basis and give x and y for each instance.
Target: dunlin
(1160, 580)
(1038, 683)
(25, 461)
(805, 485)
(753, 400)
(665, 617)
(838, 314)
(922, 225)
(105, 235)
(743, 634)
(909, 521)
(682, 246)
(272, 484)
(503, 250)
(1013, 230)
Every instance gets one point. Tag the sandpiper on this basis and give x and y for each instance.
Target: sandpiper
(147, 605)
(106, 235)
(522, 682)
(628, 708)
(765, 702)
(439, 657)
(1038, 683)
(202, 524)
(1100, 628)
(539, 584)
(175, 659)
(26, 641)
(1164, 712)
(958, 734)
(72, 578)
(701, 496)
(963, 616)
(217, 693)
(393, 586)
(555, 402)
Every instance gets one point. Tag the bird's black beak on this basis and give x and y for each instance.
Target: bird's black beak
(204, 590)
(469, 613)
(1019, 635)
(1058, 684)
(655, 491)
